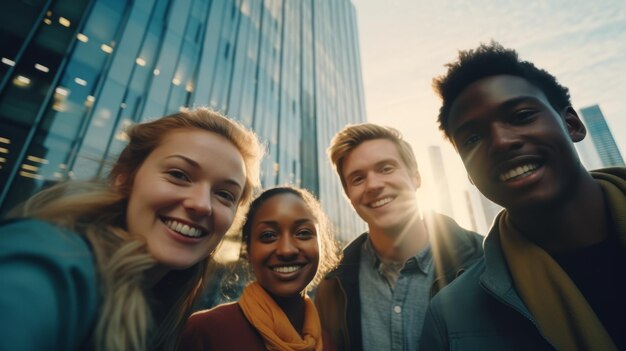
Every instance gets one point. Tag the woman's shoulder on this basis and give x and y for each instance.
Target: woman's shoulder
(43, 238)
(49, 286)
(223, 327)
(220, 314)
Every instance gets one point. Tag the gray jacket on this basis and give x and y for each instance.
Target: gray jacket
(482, 311)
(337, 297)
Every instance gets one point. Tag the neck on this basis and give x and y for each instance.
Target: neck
(579, 222)
(294, 308)
(399, 244)
(154, 275)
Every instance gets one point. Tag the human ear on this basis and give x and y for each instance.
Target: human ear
(417, 179)
(575, 127)
(119, 181)
(123, 184)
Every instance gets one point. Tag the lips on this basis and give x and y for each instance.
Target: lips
(380, 202)
(185, 229)
(287, 269)
(518, 172)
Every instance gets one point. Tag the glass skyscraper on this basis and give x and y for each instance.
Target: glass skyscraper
(74, 74)
(601, 136)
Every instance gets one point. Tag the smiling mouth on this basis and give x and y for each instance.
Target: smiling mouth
(287, 269)
(381, 202)
(518, 172)
(184, 229)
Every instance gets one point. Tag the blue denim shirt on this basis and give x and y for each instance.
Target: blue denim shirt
(392, 316)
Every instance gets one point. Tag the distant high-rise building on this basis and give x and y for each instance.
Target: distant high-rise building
(490, 209)
(602, 137)
(482, 211)
(442, 189)
(588, 153)
(74, 74)
(470, 211)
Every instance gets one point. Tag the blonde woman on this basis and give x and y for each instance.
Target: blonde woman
(290, 247)
(116, 265)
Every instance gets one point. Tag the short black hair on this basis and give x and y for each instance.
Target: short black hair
(490, 60)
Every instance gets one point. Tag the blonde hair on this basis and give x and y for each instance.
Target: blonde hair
(133, 316)
(354, 135)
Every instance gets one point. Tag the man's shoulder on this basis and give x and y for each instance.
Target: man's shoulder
(454, 246)
(447, 226)
(354, 247)
(464, 289)
(351, 257)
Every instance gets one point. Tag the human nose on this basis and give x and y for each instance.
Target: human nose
(286, 247)
(504, 137)
(198, 200)
(373, 182)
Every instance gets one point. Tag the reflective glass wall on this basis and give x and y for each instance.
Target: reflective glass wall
(74, 74)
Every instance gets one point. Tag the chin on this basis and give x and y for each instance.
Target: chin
(177, 265)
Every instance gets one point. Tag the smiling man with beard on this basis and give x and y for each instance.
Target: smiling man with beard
(554, 271)
(377, 298)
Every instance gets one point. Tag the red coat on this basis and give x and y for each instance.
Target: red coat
(225, 327)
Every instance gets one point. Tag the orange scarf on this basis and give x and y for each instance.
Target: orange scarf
(271, 322)
(561, 311)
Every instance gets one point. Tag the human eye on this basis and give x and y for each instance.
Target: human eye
(227, 196)
(387, 168)
(523, 116)
(471, 140)
(305, 233)
(177, 175)
(356, 180)
(267, 236)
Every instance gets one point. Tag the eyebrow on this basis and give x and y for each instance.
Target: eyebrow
(296, 222)
(506, 105)
(377, 164)
(518, 100)
(186, 159)
(196, 165)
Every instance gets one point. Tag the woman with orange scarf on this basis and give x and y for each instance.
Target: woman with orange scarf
(290, 247)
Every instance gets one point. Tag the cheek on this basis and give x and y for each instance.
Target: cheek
(256, 265)
(224, 218)
(471, 158)
(314, 254)
(133, 213)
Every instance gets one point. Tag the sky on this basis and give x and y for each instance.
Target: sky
(405, 43)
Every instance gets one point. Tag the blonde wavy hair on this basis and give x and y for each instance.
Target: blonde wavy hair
(133, 316)
(354, 135)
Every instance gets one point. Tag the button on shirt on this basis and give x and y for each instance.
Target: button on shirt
(394, 298)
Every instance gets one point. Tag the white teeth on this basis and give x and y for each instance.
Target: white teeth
(183, 229)
(518, 171)
(286, 269)
(381, 202)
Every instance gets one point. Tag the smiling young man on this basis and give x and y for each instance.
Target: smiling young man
(554, 271)
(376, 299)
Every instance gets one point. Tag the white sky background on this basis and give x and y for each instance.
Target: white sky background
(405, 43)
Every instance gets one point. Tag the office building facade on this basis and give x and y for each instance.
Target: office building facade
(75, 74)
(601, 136)
(440, 177)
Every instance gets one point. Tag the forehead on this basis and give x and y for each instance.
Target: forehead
(281, 206)
(488, 93)
(210, 151)
(369, 153)
(179, 138)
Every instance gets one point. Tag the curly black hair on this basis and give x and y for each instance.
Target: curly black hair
(489, 60)
(330, 254)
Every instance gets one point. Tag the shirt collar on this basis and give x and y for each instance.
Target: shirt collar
(420, 262)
